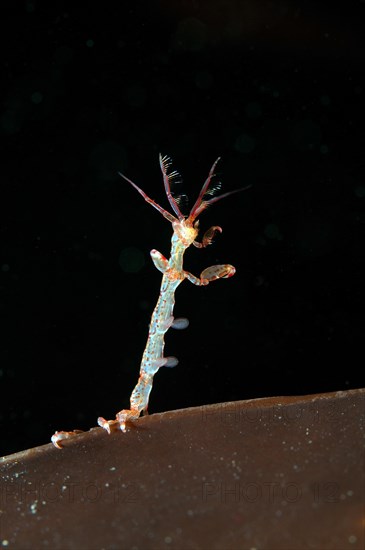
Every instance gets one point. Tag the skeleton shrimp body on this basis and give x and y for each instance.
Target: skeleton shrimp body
(185, 231)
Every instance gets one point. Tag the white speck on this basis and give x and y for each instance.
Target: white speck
(112, 469)
(168, 540)
(33, 507)
(352, 539)
(4, 542)
(169, 466)
(106, 484)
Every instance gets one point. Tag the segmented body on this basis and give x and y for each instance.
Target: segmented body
(162, 318)
(184, 235)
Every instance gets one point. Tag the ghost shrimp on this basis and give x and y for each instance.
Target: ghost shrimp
(185, 232)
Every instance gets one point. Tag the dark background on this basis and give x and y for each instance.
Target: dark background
(277, 90)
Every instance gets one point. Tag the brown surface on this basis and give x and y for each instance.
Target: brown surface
(276, 474)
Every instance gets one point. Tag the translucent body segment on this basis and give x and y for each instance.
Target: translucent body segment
(168, 323)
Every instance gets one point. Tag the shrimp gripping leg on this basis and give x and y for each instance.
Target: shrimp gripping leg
(57, 437)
